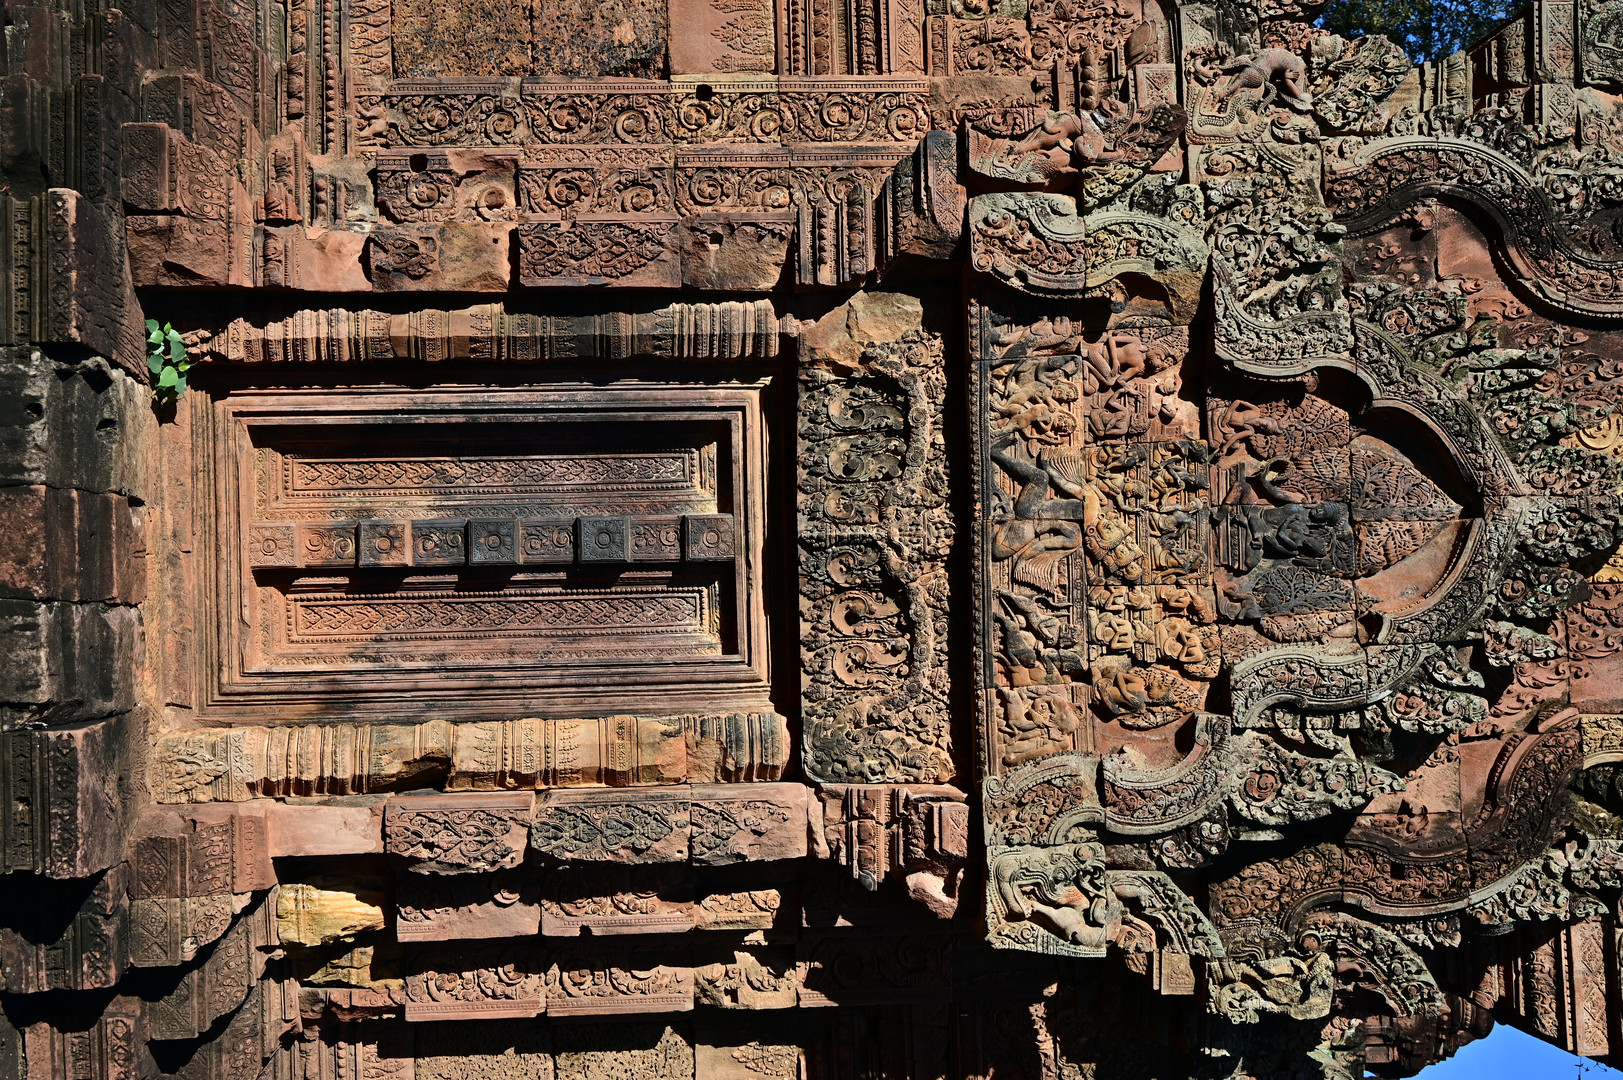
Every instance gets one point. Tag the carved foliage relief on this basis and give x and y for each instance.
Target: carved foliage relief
(1310, 561)
(874, 533)
(1120, 576)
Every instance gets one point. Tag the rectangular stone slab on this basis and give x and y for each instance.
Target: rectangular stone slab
(748, 822)
(524, 552)
(465, 833)
(647, 826)
(441, 907)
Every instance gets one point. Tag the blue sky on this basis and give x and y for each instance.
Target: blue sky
(1507, 1054)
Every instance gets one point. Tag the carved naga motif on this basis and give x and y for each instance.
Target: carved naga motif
(968, 538)
(1216, 599)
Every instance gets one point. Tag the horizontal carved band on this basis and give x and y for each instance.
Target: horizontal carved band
(493, 541)
(272, 333)
(235, 764)
(708, 824)
(458, 834)
(527, 979)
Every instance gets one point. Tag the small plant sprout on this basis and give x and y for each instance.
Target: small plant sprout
(166, 356)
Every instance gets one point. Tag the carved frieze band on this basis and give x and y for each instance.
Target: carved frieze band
(537, 113)
(493, 541)
(241, 763)
(298, 335)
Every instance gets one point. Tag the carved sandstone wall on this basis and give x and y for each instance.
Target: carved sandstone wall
(822, 540)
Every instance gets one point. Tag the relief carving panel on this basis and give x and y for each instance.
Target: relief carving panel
(367, 546)
(1192, 565)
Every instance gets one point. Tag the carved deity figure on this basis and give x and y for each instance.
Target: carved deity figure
(1065, 890)
(1044, 529)
(1037, 724)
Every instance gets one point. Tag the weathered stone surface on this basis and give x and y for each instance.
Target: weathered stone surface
(307, 914)
(1187, 440)
(219, 983)
(73, 424)
(71, 545)
(607, 980)
(234, 764)
(758, 978)
(296, 829)
(65, 935)
(445, 908)
(607, 900)
(71, 796)
(212, 851)
(167, 931)
(500, 1051)
(613, 826)
(618, 39)
(735, 823)
(456, 256)
(67, 661)
(459, 834)
(483, 982)
(432, 40)
(735, 252)
(70, 280)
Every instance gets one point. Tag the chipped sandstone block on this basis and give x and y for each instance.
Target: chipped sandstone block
(759, 977)
(67, 814)
(566, 753)
(607, 899)
(739, 909)
(748, 822)
(441, 907)
(313, 829)
(65, 935)
(657, 1050)
(611, 981)
(601, 249)
(169, 931)
(221, 983)
(476, 982)
(211, 851)
(735, 251)
(240, 763)
(459, 834)
(460, 256)
(876, 829)
(310, 914)
(736, 748)
(648, 826)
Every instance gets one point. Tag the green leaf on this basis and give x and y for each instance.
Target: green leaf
(155, 362)
(167, 378)
(180, 383)
(177, 349)
(152, 326)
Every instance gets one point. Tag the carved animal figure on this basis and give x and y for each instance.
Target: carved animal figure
(1276, 72)
(1069, 141)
